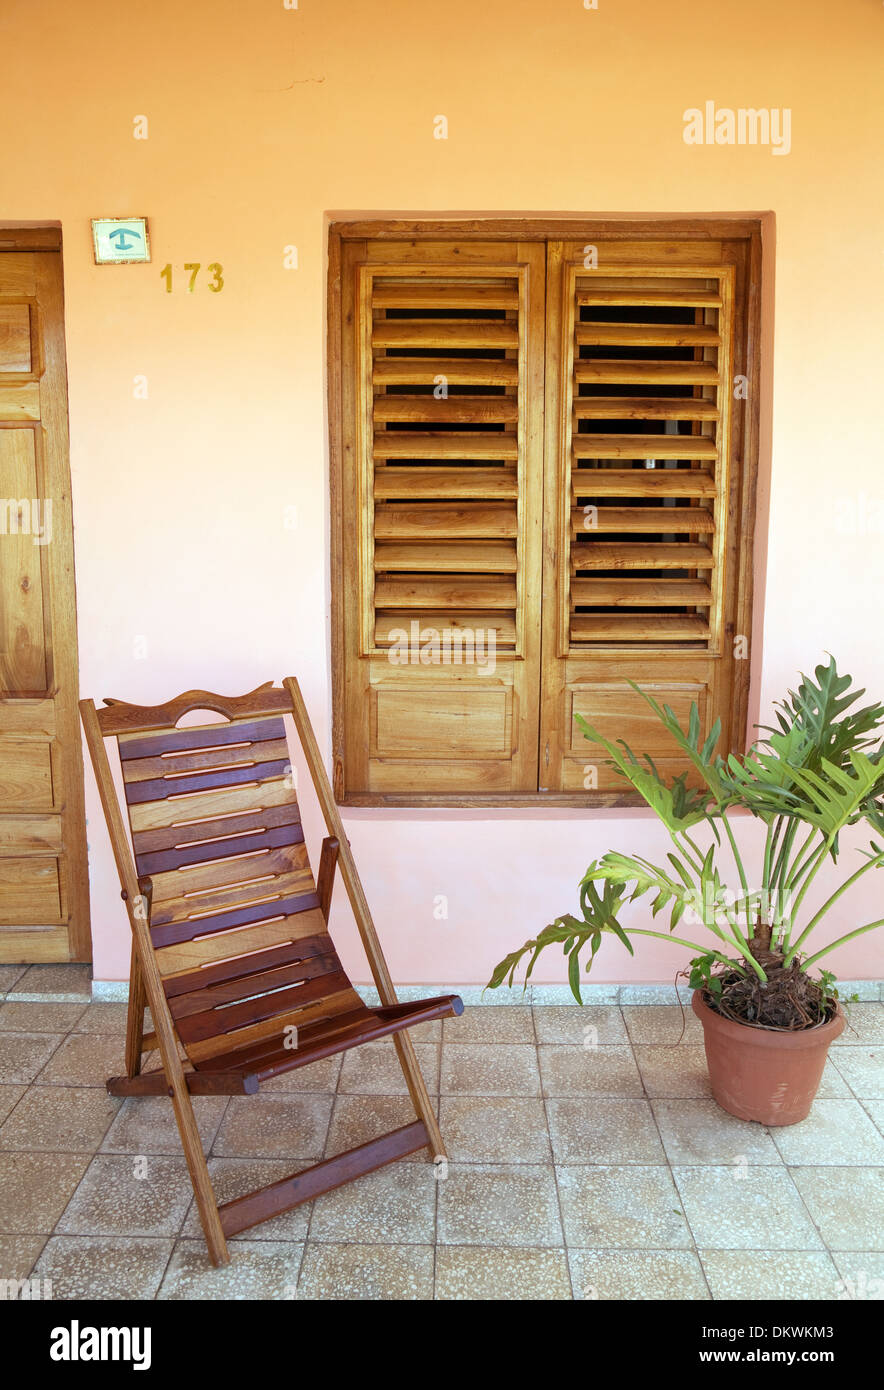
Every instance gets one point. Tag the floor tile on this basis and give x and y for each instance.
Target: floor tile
(274, 1126)
(387, 1273)
(861, 1275)
(770, 1274)
(35, 1189)
(9, 974)
(846, 1203)
(499, 1204)
(604, 1131)
(833, 1086)
(875, 1109)
(663, 1025)
(59, 1119)
(865, 1025)
(495, 1129)
(316, 1076)
(356, 1119)
(835, 1131)
(146, 1125)
(587, 1071)
(106, 1018)
(637, 1275)
(104, 1267)
(61, 980)
(9, 1098)
(487, 1273)
(85, 1059)
(39, 1018)
(374, 1069)
(598, 1025)
(18, 1255)
(114, 1199)
(699, 1131)
(737, 1208)
(625, 1207)
(492, 1069)
(257, 1270)
(234, 1177)
(23, 1055)
(495, 1024)
(394, 1205)
(676, 1072)
(863, 1070)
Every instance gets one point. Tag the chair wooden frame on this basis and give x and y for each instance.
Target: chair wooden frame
(179, 1005)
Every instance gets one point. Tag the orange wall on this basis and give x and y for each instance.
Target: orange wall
(262, 120)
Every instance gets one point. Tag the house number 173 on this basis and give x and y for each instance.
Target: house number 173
(192, 268)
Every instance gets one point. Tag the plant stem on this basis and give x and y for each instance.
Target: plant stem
(864, 868)
(841, 940)
(742, 872)
(692, 945)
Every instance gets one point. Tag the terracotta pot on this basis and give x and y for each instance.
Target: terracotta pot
(764, 1074)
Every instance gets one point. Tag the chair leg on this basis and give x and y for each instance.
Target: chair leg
(135, 1018)
(418, 1091)
(203, 1192)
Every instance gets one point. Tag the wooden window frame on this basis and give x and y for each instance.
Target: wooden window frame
(526, 230)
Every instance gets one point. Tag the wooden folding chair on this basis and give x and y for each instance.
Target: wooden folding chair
(231, 948)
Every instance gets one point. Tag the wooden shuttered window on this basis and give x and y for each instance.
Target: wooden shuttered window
(547, 440)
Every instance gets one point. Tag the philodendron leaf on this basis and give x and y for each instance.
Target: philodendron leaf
(677, 807)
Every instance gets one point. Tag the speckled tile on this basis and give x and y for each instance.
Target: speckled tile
(737, 1208)
(146, 1125)
(257, 1270)
(35, 1189)
(588, 1071)
(861, 1275)
(483, 1272)
(875, 1109)
(106, 1018)
(39, 1018)
(492, 1069)
(316, 1076)
(770, 1274)
(663, 1025)
(865, 1025)
(509, 1024)
(8, 976)
(637, 1275)
(274, 1126)
(234, 1177)
(699, 1131)
(603, 1130)
(356, 1119)
(23, 1055)
(835, 1131)
(499, 1204)
(114, 1200)
(18, 1255)
(59, 1119)
(104, 1267)
(846, 1203)
(63, 981)
(833, 1086)
(85, 1059)
(677, 1072)
(396, 1204)
(382, 1273)
(495, 1129)
(431, 1031)
(569, 1024)
(374, 1069)
(863, 1070)
(621, 1207)
(9, 1098)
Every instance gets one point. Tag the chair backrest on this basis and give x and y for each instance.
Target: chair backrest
(240, 939)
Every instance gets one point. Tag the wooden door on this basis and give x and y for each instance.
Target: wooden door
(44, 894)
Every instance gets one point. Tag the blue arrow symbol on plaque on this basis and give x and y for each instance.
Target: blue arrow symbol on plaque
(120, 237)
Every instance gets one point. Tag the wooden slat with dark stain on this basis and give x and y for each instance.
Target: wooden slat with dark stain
(173, 933)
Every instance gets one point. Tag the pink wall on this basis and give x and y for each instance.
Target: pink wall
(264, 119)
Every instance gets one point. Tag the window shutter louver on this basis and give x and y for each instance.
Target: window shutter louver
(442, 374)
(646, 489)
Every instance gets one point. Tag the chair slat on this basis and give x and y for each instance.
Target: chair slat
(196, 879)
(158, 815)
(323, 961)
(193, 928)
(161, 788)
(344, 1001)
(189, 955)
(143, 769)
(222, 1021)
(242, 968)
(141, 745)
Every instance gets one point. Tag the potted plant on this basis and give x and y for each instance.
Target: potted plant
(768, 1016)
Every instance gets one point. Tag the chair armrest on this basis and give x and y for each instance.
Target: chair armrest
(326, 878)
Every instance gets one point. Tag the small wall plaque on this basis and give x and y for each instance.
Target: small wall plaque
(120, 240)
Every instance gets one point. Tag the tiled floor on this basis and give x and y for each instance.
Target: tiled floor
(587, 1161)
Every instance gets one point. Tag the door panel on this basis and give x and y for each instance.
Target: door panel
(44, 902)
